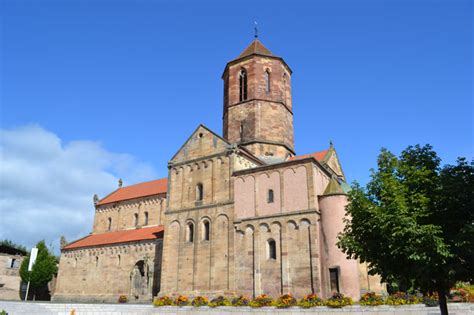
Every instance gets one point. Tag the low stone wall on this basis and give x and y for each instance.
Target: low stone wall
(23, 308)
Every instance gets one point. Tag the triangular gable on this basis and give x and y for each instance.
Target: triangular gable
(202, 142)
(332, 161)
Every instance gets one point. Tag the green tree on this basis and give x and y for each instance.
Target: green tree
(43, 270)
(8, 242)
(413, 223)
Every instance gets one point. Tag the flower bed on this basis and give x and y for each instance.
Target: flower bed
(337, 300)
(371, 299)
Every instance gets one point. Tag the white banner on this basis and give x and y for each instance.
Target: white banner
(34, 253)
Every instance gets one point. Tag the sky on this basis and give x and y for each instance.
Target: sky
(94, 91)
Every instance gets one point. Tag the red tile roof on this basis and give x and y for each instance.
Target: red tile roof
(154, 187)
(319, 156)
(149, 233)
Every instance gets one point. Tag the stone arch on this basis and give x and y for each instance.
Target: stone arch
(205, 229)
(249, 229)
(292, 225)
(139, 281)
(275, 226)
(305, 221)
(264, 227)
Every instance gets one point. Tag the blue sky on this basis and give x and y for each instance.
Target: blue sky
(133, 79)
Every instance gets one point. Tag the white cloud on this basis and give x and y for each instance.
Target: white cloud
(46, 186)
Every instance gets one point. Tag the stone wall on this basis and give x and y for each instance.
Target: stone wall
(10, 276)
(293, 185)
(295, 268)
(104, 273)
(122, 214)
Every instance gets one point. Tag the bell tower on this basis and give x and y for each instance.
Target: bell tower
(257, 104)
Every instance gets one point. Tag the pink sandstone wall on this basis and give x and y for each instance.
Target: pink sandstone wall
(264, 183)
(295, 187)
(244, 190)
(332, 211)
(290, 188)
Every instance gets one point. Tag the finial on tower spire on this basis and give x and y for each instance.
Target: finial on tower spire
(256, 29)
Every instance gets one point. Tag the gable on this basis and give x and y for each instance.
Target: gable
(203, 142)
(332, 161)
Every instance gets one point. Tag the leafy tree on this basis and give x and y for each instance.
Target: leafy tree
(8, 242)
(43, 270)
(414, 222)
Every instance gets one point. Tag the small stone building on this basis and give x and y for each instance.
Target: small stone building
(237, 214)
(10, 280)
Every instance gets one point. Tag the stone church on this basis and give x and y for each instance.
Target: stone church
(240, 213)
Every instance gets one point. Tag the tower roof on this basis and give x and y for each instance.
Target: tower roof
(255, 47)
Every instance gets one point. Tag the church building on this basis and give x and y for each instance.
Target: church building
(240, 213)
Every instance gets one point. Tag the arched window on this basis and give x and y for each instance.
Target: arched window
(145, 222)
(206, 231)
(284, 87)
(243, 85)
(199, 192)
(135, 219)
(267, 81)
(118, 260)
(75, 262)
(272, 254)
(270, 196)
(97, 261)
(110, 224)
(190, 232)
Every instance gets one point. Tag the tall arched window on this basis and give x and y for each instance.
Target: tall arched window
(97, 261)
(109, 224)
(199, 192)
(267, 81)
(118, 260)
(271, 249)
(135, 219)
(145, 222)
(206, 231)
(190, 232)
(284, 87)
(243, 85)
(241, 132)
(271, 196)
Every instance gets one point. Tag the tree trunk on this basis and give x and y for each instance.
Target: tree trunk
(443, 304)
